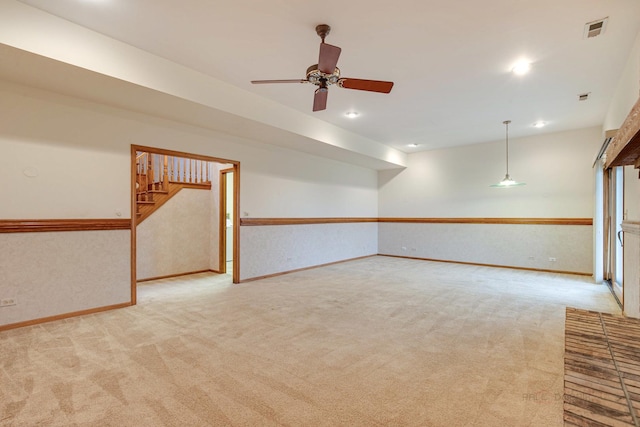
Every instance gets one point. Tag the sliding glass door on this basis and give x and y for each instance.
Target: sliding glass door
(613, 235)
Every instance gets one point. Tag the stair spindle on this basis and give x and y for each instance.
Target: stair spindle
(165, 178)
(149, 173)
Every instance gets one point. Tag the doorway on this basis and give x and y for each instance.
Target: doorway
(166, 173)
(227, 221)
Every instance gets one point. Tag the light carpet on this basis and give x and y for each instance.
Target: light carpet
(376, 341)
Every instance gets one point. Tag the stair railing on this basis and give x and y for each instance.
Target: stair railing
(187, 171)
(160, 176)
(156, 171)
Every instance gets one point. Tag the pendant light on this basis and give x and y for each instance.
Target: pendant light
(507, 181)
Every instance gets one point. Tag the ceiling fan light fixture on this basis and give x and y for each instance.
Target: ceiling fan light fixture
(507, 181)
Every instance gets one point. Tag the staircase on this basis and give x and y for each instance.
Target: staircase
(159, 177)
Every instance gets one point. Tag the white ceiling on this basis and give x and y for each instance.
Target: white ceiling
(450, 59)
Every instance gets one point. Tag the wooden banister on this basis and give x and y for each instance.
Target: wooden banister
(160, 176)
(165, 170)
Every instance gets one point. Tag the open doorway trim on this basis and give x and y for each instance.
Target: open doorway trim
(236, 201)
(222, 224)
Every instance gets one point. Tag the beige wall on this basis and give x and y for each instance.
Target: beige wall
(454, 183)
(56, 273)
(271, 249)
(510, 245)
(175, 239)
(81, 153)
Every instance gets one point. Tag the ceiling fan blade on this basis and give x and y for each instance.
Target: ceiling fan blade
(262, 82)
(368, 85)
(320, 99)
(328, 59)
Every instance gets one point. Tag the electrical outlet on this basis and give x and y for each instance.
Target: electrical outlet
(6, 302)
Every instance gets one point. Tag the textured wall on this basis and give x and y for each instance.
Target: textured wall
(273, 249)
(81, 151)
(513, 245)
(63, 272)
(175, 239)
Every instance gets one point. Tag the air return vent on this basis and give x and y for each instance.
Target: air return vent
(595, 28)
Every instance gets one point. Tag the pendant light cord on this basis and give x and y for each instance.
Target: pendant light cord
(506, 123)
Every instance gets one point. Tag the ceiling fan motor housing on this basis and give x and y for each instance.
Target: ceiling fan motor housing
(315, 76)
(322, 30)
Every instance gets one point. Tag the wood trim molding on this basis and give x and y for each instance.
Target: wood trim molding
(183, 154)
(63, 316)
(134, 210)
(301, 221)
(625, 148)
(521, 221)
(491, 265)
(41, 225)
(222, 226)
(282, 273)
(236, 223)
(193, 185)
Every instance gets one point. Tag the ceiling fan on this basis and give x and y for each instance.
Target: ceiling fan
(325, 73)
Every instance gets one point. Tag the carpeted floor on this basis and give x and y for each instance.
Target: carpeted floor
(376, 341)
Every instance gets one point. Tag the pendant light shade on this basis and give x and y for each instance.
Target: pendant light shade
(507, 181)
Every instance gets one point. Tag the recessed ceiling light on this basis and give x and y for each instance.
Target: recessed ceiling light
(352, 114)
(539, 124)
(413, 145)
(521, 68)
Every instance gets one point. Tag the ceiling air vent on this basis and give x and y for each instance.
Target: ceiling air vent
(595, 28)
